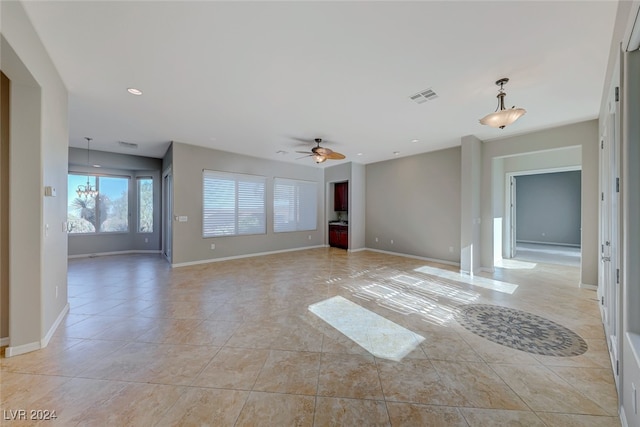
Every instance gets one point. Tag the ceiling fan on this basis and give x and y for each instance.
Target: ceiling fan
(320, 154)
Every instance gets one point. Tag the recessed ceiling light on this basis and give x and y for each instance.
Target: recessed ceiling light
(415, 140)
(281, 152)
(97, 166)
(395, 153)
(134, 91)
(359, 154)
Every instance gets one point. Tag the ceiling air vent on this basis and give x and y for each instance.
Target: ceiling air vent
(424, 96)
(130, 145)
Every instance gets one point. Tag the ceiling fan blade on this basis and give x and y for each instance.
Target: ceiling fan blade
(322, 151)
(335, 156)
(308, 155)
(304, 152)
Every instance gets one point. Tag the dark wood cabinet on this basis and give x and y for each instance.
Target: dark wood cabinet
(339, 236)
(341, 197)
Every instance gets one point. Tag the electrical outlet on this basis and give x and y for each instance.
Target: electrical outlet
(450, 249)
(309, 237)
(376, 239)
(392, 241)
(213, 246)
(146, 240)
(56, 291)
(634, 398)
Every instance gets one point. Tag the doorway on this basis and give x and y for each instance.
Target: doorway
(543, 209)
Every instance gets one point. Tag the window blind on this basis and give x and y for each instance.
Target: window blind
(295, 205)
(233, 204)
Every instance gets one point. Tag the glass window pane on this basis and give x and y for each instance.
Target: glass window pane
(145, 205)
(81, 210)
(113, 204)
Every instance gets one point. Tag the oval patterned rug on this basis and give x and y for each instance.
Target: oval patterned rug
(520, 330)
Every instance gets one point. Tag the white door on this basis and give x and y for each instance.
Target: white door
(610, 217)
(167, 211)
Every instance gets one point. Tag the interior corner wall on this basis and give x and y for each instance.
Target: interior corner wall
(38, 155)
(583, 135)
(415, 201)
(188, 244)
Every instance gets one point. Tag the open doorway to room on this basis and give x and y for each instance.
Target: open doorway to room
(545, 209)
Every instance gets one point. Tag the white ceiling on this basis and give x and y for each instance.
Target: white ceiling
(252, 77)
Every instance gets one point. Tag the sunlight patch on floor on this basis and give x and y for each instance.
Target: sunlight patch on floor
(379, 336)
(513, 264)
(482, 282)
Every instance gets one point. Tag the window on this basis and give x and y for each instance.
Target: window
(233, 204)
(145, 205)
(106, 212)
(295, 205)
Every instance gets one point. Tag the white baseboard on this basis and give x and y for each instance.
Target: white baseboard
(208, 261)
(114, 253)
(4, 342)
(568, 245)
(33, 346)
(439, 261)
(357, 250)
(588, 286)
(22, 349)
(45, 341)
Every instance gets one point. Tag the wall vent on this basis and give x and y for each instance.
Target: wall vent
(424, 96)
(128, 145)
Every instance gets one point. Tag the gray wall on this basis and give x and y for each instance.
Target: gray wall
(630, 292)
(120, 165)
(548, 208)
(415, 201)
(188, 244)
(38, 157)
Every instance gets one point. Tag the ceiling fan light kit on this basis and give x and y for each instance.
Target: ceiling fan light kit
(502, 117)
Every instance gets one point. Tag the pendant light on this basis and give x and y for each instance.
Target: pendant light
(87, 190)
(502, 116)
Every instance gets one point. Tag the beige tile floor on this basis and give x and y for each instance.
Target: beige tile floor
(233, 343)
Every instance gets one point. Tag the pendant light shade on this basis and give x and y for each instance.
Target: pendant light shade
(502, 117)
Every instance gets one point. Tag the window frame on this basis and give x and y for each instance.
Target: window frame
(97, 178)
(239, 211)
(298, 185)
